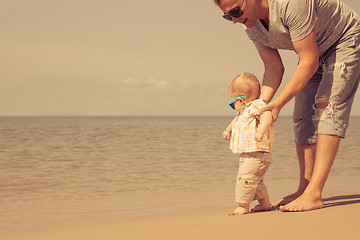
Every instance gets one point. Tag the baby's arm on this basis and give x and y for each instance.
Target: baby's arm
(265, 122)
(226, 134)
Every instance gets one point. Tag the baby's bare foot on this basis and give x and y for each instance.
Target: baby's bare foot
(261, 208)
(239, 211)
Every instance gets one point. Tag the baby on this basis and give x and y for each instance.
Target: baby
(251, 134)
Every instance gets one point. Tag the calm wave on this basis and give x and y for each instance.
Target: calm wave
(61, 168)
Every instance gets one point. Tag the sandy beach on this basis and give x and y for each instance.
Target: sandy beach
(338, 220)
(82, 189)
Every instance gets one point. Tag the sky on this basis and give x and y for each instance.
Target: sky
(124, 58)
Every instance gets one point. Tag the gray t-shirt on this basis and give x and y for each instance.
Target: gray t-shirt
(293, 20)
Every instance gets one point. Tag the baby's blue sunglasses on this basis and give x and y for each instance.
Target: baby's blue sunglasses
(232, 101)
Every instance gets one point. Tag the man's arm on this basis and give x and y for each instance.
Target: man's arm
(308, 53)
(274, 70)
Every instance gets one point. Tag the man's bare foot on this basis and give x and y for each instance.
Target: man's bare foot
(303, 203)
(239, 211)
(261, 208)
(286, 199)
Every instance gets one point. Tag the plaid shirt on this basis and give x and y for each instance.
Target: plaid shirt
(244, 127)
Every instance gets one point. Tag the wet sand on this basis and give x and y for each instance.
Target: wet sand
(338, 220)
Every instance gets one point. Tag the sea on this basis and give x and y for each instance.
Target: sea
(73, 169)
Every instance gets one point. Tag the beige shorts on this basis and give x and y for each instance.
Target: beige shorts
(249, 184)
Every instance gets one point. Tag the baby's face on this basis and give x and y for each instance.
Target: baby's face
(239, 104)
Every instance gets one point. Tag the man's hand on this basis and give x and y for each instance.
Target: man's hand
(274, 108)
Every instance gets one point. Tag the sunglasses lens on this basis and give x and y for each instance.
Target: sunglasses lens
(233, 13)
(232, 102)
(236, 12)
(227, 17)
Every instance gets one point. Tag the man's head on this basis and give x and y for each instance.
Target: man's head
(246, 12)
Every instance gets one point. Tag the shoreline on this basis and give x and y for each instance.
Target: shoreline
(338, 220)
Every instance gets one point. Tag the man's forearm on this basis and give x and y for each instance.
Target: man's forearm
(271, 82)
(273, 74)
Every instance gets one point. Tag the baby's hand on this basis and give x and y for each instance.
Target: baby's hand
(226, 135)
(258, 137)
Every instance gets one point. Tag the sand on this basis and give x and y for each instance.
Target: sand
(338, 220)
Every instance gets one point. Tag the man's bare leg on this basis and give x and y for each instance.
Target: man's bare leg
(311, 199)
(306, 158)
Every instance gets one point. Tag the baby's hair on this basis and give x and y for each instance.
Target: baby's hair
(245, 84)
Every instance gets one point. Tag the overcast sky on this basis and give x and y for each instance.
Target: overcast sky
(116, 57)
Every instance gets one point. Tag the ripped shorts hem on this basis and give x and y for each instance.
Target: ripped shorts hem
(305, 142)
(334, 133)
(312, 141)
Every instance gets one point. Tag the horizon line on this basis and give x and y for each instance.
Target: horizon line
(75, 115)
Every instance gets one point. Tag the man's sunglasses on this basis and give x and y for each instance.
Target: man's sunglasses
(235, 12)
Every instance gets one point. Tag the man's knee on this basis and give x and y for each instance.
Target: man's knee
(321, 103)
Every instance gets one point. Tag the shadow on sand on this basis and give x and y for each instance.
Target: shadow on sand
(341, 200)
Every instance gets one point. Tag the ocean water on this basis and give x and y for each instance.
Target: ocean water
(67, 169)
